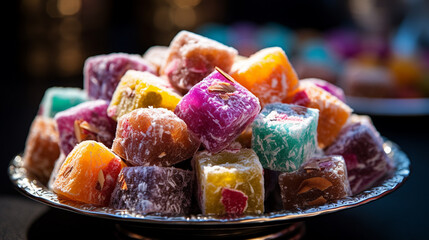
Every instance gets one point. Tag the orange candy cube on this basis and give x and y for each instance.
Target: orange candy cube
(268, 74)
(333, 113)
(88, 174)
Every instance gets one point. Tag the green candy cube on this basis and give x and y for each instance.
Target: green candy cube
(285, 136)
(57, 99)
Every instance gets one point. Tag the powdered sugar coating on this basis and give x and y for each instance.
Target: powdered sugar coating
(236, 170)
(361, 146)
(284, 136)
(217, 118)
(102, 73)
(153, 190)
(192, 57)
(331, 170)
(329, 87)
(41, 148)
(333, 113)
(153, 136)
(141, 90)
(93, 112)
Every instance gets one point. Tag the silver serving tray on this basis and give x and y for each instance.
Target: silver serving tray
(32, 188)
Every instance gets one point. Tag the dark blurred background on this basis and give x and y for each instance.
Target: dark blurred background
(47, 41)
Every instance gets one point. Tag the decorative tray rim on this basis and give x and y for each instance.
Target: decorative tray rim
(33, 189)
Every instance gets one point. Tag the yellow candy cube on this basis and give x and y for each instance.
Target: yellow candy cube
(139, 90)
(230, 182)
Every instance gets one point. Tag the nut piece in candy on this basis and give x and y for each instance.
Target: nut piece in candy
(314, 183)
(67, 171)
(222, 87)
(226, 75)
(100, 182)
(84, 130)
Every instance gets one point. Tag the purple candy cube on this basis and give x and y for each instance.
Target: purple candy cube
(153, 189)
(86, 121)
(217, 110)
(362, 149)
(325, 85)
(102, 73)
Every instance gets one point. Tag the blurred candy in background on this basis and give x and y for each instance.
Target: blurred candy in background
(371, 48)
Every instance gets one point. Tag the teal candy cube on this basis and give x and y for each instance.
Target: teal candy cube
(285, 136)
(57, 99)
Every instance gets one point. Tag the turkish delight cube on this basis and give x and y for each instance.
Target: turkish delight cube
(41, 148)
(86, 121)
(362, 148)
(156, 55)
(88, 174)
(153, 189)
(320, 180)
(268, 74)
(57, 99)
(333, 113)
(192, 57)
(102, 73)
(141, 90)
(153, 136)
(217, 110)
(327, 86)
(229, 182)
(284, 136)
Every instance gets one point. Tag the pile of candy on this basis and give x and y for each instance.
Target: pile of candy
(197, 128)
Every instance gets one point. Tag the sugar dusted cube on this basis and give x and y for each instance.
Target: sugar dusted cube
(156, 55)
(153, 136)
(217, 110)
(320, 180)
(327, 86)
(41, 148)
(284, 136)
(333, 113)
(102, 73)
(88, 174)
(229, 182)
(141, 90)
(86, 121)
(268, 74)
(362, 148)
(153, 189)
(57, 99)
(192, 57)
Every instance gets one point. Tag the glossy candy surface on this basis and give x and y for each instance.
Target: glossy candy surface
(88, 174)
